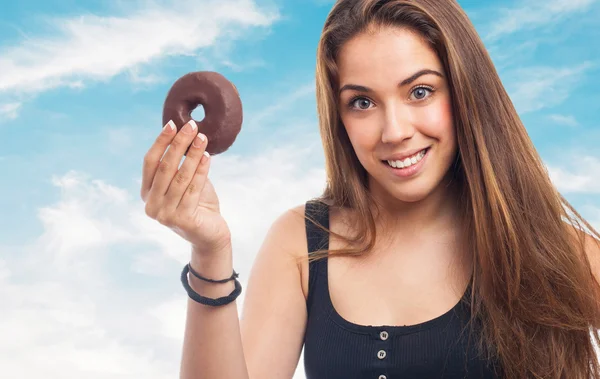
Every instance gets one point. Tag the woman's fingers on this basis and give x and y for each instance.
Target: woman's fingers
(191, 197)
(185, 179)
(183, 198)
(168, 166)
(153, 156)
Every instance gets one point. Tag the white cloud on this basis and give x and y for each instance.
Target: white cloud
(535, 88)
(93, 47)
(580, 178)
(97, 294)
(136, 76)
(531, 14)
(9, 111)
(564, 120)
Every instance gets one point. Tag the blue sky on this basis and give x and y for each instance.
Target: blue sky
(90, 285)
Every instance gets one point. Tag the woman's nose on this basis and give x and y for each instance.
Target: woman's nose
(397, 125)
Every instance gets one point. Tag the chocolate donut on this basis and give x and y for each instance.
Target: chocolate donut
(221, 102)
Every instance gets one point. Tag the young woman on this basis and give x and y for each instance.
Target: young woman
(452, 254)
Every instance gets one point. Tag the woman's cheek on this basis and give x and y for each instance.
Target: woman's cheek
(436, 120)
(362, 130)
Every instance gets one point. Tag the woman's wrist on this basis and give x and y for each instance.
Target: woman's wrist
(215, 265)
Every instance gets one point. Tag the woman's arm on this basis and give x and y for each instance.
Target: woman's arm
(268, 341)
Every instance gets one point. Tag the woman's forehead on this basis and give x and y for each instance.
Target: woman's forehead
(386, 54)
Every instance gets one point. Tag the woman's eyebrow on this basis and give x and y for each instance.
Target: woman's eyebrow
(405, 82)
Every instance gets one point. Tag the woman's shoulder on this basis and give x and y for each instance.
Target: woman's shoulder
(292, 221)
(291, 225)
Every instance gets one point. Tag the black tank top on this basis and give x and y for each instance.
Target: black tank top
(335, 348)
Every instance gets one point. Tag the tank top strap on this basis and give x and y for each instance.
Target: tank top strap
(317, 239)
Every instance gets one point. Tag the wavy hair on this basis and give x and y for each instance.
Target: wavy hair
(533, 292)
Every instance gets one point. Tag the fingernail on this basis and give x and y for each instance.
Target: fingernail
(190, 127)
(170, 126)
(198, 141)
(207, 154)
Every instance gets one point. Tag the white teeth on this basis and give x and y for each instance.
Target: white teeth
(408, 161)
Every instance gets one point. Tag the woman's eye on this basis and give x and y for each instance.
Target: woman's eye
(360, 103)
(420, 93)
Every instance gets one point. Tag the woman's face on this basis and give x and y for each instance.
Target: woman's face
(395, 105)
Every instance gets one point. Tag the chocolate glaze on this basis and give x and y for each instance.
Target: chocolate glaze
(221, 102)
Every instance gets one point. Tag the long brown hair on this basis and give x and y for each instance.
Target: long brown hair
(533, 292)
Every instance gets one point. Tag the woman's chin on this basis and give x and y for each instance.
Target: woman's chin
(410, 195)
(413, 192)
(414, 197)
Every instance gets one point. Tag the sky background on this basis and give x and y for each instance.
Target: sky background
(89, 285)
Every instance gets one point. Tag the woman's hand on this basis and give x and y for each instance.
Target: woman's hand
(184, 199)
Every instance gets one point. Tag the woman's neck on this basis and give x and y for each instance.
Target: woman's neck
(437, 213)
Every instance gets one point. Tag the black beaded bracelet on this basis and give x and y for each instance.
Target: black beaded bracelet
(197, 275)
(207, 300)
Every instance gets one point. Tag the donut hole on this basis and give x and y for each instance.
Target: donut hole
(198, 113)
